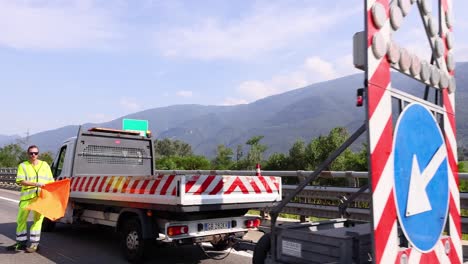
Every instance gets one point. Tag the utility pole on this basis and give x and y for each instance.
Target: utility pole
(27, 138)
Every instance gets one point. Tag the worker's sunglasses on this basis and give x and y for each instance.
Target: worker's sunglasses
(33, 153)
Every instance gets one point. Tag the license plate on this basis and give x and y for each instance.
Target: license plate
(217, 225)
(291, 248)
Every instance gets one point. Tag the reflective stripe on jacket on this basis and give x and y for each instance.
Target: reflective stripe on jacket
(40, 173)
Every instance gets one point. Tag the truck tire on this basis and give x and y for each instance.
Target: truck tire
(261, 249)
(47, 225)
(132, 243)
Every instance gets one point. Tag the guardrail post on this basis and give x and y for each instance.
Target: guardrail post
(352, 182)
(264, 215)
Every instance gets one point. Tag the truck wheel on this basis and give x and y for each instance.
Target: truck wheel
(48, 225)
(221, 245)
(261, 249)
(132, 242)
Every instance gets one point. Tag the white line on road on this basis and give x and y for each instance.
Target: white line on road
(8, 199)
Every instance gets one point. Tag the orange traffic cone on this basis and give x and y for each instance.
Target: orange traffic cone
(263, 214)
(258, 170)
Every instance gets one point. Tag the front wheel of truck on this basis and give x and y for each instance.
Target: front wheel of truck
(261, 249)
(132, 243)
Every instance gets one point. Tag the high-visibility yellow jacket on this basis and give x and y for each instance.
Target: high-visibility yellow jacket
(40, 173)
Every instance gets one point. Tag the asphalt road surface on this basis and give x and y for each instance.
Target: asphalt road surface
(94, 244)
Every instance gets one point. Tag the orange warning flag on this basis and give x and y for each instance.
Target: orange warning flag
(52, 200)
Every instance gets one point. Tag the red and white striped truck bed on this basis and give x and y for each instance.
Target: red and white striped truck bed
(179, 190)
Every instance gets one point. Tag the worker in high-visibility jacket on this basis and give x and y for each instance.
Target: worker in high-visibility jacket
(32, 175)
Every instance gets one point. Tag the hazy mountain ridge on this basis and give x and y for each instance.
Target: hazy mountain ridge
(4, 139)
(282, 119)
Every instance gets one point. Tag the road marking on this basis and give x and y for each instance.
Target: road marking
(8, 199)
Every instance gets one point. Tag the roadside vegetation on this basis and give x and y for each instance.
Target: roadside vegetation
(12, 155)
(178, 155)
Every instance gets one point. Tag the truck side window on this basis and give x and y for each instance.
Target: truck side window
(57, 170)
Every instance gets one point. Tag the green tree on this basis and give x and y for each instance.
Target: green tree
(256, 151)
(194, 162)
(168, 147)
(297, 156)
(12, 155)
(461, 166)
(223, 159)
(463, 183)
(47, 157)
(319, 149)
(357, 161)
(183, 163)
(277, 161)
(166, 163)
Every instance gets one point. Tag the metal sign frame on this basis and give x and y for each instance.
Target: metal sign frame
(382, 18)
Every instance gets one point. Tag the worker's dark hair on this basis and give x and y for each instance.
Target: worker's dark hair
(32, 146)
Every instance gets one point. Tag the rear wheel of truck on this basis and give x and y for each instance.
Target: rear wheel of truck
(261, 249)
(48, 225)
(132, 242)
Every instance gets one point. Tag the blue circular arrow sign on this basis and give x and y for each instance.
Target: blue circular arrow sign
(421, 176)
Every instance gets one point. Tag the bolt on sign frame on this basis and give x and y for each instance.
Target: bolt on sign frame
(395, 240)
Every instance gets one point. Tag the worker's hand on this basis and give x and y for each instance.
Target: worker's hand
(40, 184)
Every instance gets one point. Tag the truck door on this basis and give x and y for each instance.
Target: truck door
(57, 166)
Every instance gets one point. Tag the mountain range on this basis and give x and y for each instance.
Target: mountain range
(282, 119)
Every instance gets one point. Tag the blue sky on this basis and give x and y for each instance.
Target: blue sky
(76, 61)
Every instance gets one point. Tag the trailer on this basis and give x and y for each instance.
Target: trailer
(413, 177)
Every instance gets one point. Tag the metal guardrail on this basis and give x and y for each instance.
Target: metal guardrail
(317, 201)
(322, 201)
(8, 179)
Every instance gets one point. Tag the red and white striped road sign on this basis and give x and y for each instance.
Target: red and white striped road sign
(382, 19)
